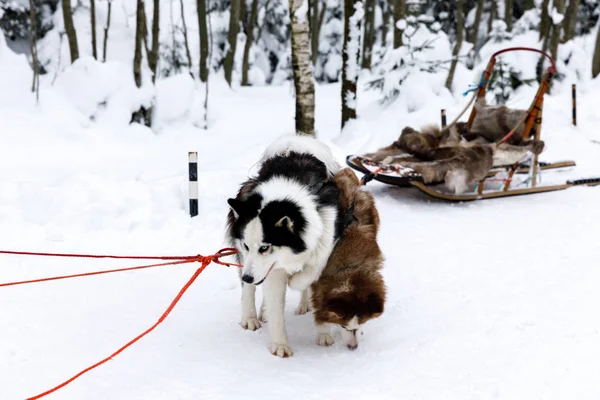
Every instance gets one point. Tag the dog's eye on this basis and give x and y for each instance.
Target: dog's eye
(246, 247)
(263, 249)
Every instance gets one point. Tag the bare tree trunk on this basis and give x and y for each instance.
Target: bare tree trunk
(185, 39)
(106, 28)
(508, 14)
(570, 22)
(399, 14)
(315, 31)
(35, 86)
(493, 15)
(202, 23)
(353, 14)
(460, 27)
(243, 16)
(596, 59)
(139, 116)
(556, 29)
(385, 11)
(260, 28)
(369, 32)
(248, 45)
(234, 18)
(476, 25)
(93, 23)
(70, 29)
(153, 59)
(529, 4)
(545, 22)
(209, 56)
(303, 79)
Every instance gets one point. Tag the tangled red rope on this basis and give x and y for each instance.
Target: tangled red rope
(204, 260)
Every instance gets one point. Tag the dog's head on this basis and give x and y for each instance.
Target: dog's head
(349, 302)
(268, 235)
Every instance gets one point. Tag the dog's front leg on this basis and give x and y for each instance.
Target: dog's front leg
(304, 278)
(249, 319)
(274, 297)
(304, 305)
(324, 337)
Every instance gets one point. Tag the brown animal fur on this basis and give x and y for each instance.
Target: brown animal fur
(351, 284)
(441, 156)
(494, 122)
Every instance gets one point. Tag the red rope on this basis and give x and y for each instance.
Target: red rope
(205, 263)
(55, 278)
(27, 253)
(205, 260)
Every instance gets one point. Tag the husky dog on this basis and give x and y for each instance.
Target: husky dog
(350, 290)
(284, 222)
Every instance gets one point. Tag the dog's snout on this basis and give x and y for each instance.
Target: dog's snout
(247, 278)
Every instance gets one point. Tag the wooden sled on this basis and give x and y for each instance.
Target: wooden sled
(510, 181)
(404, 177)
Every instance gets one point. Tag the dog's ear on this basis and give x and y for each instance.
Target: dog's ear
(285, 222)
(375, 304)
(237, 206)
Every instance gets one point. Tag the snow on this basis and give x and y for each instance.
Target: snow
(492, 299)
(353, 45)
(401, 24)
(556, 17)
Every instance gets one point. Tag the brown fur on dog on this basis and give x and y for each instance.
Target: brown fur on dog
(351, 284)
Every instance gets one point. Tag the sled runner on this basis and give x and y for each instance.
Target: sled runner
(480, 159)
(489, 188)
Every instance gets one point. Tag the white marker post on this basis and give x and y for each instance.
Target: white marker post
(193, 177)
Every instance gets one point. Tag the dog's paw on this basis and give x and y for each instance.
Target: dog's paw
(250, 323)
(281, 350)
(302, 308)
(262, 316)
(324, 339)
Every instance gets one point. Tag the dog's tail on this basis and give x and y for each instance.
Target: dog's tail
(304, 145)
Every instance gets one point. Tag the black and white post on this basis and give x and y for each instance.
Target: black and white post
(574, 103)
(193, 176)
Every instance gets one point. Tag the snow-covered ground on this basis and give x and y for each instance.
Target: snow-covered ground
(488, 300)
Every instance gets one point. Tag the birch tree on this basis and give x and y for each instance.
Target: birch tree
(301, 68)
(70, 29)
(353, 15)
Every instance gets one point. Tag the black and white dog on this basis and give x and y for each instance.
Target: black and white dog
(284, 223)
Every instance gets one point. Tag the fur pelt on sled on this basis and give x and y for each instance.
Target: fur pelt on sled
(494, 122)
(443, 156)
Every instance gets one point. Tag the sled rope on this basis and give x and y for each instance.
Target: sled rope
(204, 260)
(482, 83)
